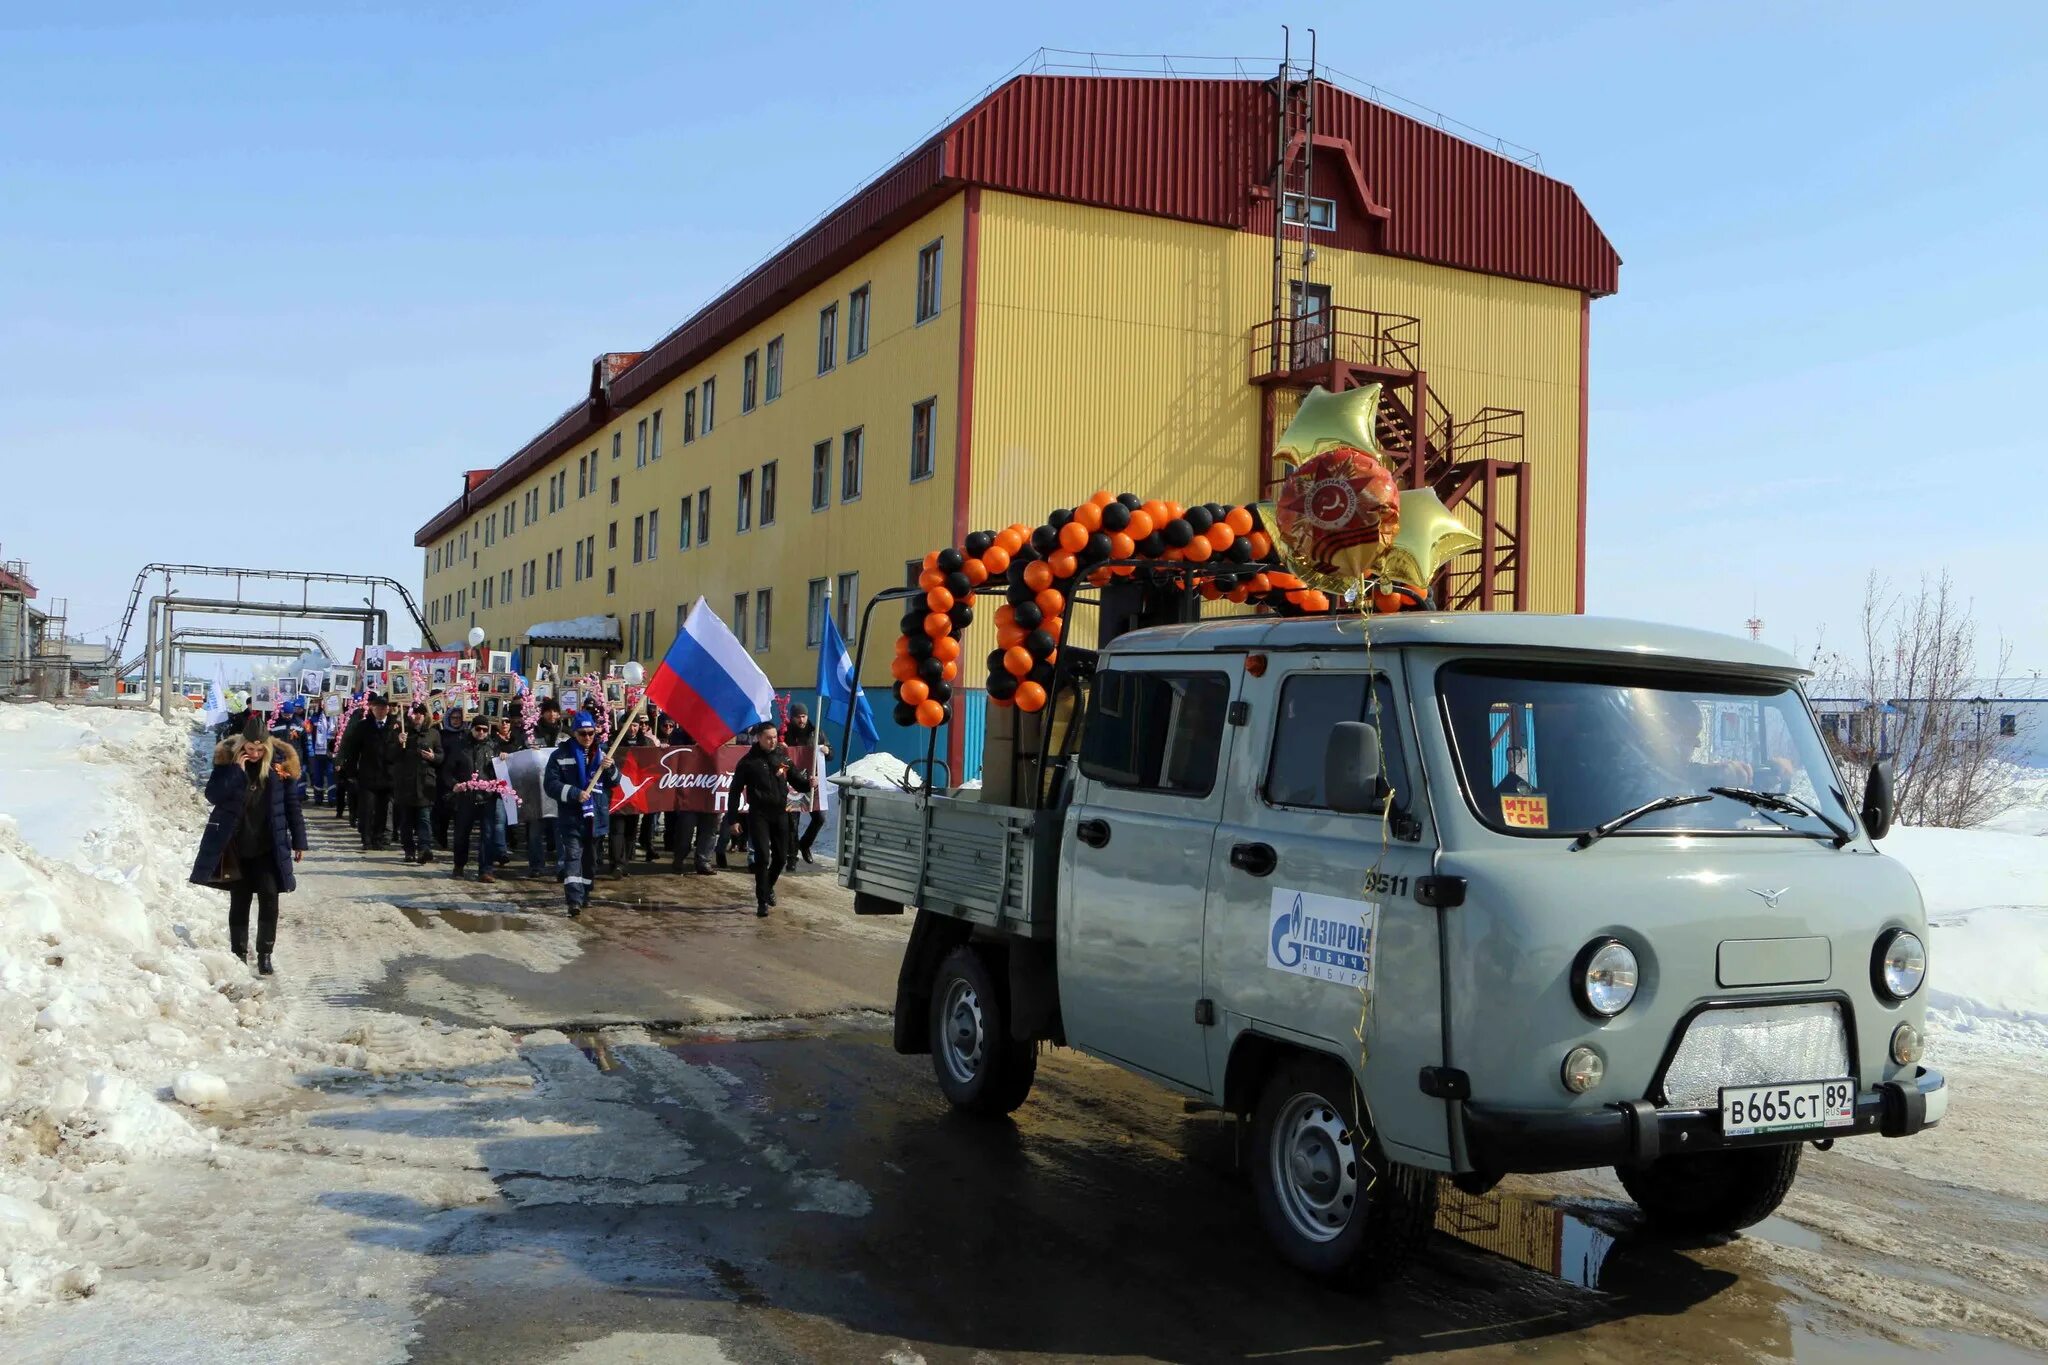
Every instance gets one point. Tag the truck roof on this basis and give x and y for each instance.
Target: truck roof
(1474, 629)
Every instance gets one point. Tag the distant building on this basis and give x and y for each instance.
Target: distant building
(2011, 710)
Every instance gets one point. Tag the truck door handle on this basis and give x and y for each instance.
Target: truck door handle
(1257, 859)
(1094, 833)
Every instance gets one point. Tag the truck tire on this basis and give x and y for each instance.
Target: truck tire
(1707, 1193)
(1333, 1205)
(981, 1069)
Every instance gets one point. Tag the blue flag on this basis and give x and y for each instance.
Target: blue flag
(837, 688)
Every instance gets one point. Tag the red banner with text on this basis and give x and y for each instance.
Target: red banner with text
(658, 777)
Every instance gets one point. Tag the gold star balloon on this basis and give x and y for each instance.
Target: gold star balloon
(1327, 421)
(1430, 537)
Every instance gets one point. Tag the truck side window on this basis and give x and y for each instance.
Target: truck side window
(1310, 705)
(1156, 731)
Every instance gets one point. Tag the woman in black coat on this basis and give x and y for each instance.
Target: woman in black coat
(255, 834)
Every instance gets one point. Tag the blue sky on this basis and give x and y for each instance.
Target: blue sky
(338, 253)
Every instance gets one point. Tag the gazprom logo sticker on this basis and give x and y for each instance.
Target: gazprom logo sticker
(1328, 938)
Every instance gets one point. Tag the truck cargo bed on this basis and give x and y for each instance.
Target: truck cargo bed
(952, 855)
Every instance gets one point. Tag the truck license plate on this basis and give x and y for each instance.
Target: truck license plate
(1773, 1108)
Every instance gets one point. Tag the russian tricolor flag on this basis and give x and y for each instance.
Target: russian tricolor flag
(709, 683)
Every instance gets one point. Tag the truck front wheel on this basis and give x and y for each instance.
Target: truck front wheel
(1709, 1193)
(980, 1067)
(1333, 1204)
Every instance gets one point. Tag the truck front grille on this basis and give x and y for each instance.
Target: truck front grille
(1755, 1045)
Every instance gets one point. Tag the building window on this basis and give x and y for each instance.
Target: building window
(2009, 724)
(487, 594)
(640, 445)
(618, 443)
(703, 516)
(710, 403)
(647, 631)
(848, 595)
(687, 522)
(654, 436)
(611, 581)
(653, 532)
(928, 262)
(739, 618)
(611, 538)
(828, 337)
(633, 636)
(745, 515)
(615, 490)
(821, 475)
(814, 613)
(773, 384)
(750, 378)
(857, 323)
(922, 417)
(1321, 214)
(768, 493)
(850, 465)
(763, 610)
(590, 556)
(913, 569)
(682, 613)
(689, 416)
(639, 539)
(579, 561)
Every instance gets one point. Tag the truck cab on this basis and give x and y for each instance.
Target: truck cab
(1430, 895)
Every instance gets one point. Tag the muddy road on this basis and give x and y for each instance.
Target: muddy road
(722, 1159)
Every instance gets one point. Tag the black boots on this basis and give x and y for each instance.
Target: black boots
(761, 912)
(263, 967)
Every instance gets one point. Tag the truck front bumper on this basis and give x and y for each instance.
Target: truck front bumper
(1504, 1141)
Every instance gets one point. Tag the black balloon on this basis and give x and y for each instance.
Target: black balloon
(978, 543)
(905, 713)
(913, 619)
(1225, 582)
(1019, 593)
(1097, 549)
(1199, 519)
(1027, 614)
(920, 644)
(950, 561)
(1240, 551)
(1115, 516)
(1152, 546)
(1041, 674)
(931, 669)
(1001, 685)
(941, 691)
(1045, 539)
(1178, 533)
(1040, 643)
(1058, 517)
(959, 584)
(962, 617)
(995, 661)
(1130, 500)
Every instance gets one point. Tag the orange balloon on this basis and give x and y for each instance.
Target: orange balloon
(1141, 524)
(1004, 702)
(1037, 575)
(1198, 551)
(902, 645)
(1209, 591)
(976, 571)
(1103, 497)
(1121, 546)
(1030, 697)
(1220, 536)
(1074, 536)
(1239, 595)
(937, 624)
(903, 669)
(946, 650)
(1314, 601)
(1286, 582)
(1017, 661)
(1052, 656)
(1239, 519)
(1009, 635)
(1262, 545)
(931, 559)
(1006, 615)
(1051, 601)
(1122, 570)
(1053, 626)
(913, 691)
(931, 578)
(1089, 516)
(1261, 583)
(1007, 541)
(1156, 513)
(996, 560)
(1100, 578)
(1174, 511)
(950, 672)
(1063, 563)
(931, 714)
(938, 599)
(1388, 602)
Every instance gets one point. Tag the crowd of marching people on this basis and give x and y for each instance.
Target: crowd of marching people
(425, 777)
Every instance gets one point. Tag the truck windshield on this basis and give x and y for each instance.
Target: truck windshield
(1552, 750)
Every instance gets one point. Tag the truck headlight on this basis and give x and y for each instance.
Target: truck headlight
(1907, 1045)
(1583, 1069)
(1604, 977)
(1899, 965)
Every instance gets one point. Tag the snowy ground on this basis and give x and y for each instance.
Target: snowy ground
(198, 1164)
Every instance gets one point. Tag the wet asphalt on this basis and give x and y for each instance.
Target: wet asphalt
(1108, 1220)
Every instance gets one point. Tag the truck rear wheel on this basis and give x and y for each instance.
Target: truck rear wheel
(980, 1067)
(1707, 1193)
(1332, 1204)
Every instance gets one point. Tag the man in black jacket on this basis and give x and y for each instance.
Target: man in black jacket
(369, 755)
(762, 780)
(472, 761)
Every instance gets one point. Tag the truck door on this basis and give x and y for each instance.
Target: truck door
(1314, 928)
(1136, 854)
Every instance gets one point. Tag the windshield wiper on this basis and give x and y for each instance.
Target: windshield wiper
(1779, 801)
(1607, 827)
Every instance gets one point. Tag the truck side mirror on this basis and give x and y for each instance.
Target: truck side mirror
(1877, 799)
(1351, 768)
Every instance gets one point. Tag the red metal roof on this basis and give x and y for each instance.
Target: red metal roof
(1198, 150)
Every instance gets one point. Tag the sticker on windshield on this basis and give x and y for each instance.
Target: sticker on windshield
(1525, 812)
(1328, 938)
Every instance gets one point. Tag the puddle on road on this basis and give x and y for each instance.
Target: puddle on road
(468, 921)
(1530, 1232)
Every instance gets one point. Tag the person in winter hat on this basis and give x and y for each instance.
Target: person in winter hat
(579, 779)
(419, 773)
(475, 811)
(254, 836)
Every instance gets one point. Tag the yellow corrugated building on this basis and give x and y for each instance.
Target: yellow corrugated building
(1071, 287)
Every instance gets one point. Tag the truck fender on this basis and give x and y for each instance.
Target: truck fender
(1253, 1057)
(931, 938)
(1034, 992)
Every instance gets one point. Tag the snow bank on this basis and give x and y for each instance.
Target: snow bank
(887, 770)
(1987, 912)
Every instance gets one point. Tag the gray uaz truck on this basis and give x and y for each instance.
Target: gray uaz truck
(1424, 895)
